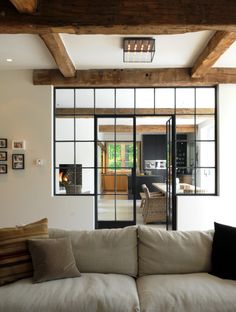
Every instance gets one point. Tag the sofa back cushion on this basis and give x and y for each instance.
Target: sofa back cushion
(103, 251)
(173, 252)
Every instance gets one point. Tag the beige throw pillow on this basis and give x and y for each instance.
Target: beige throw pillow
(15, 260)
(52, 259)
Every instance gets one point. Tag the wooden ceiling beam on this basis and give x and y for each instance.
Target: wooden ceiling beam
(145, 128)
(121, 17)
(216, 46)
(25, 6)
(57, 49)
(134, 77)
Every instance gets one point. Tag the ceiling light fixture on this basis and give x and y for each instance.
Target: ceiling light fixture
(138, 50)
(9, 60)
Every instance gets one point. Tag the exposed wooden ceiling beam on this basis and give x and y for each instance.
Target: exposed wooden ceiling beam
(25, 6)
(134, 77)
(121, 17)
(217, 45)
(85, 112)
(146, 128)
(59, 53)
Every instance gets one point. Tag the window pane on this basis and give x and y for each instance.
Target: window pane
(205, 180)
(205, 98)
(104, 101)
(205, 127)
(124, 208)
(64, 153)
(185, 124)
(205, 154)
(106, 129)
(164, 100)
(124, 101)
(87, 181)
(64, 98)
(185, 100)
(64, 129)
(85, 154)
(145, 101)
(85, 99)
(106, 208)
(85, 129)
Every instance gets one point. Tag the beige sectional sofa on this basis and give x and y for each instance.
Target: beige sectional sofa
(131, 269)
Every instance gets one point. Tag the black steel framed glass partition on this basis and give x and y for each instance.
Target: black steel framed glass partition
(84, 140)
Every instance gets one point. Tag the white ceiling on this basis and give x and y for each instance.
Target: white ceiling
(103, 51)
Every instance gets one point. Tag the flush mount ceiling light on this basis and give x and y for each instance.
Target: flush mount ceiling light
(138, 50)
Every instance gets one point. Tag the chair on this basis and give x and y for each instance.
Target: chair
(154, 208)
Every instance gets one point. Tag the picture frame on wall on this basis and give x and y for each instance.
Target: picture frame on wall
(18, 145)
(3, 156)
(3, 169)
(3, 143)
(18, 161)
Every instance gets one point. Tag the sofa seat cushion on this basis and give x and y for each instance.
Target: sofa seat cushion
(90, 292)
(197, 292)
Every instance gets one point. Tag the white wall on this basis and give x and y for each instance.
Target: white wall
(201, 212)
(26, 195)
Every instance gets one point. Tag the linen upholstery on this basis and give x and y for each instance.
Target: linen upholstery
(169, 252)
(197, 292)
(90, 293)
(104, 251)
(15, 260)
(52, 259)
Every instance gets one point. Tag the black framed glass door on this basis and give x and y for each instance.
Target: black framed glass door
(115, 170)
(171, 174)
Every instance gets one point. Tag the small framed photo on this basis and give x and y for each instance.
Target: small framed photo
(3, 143)
(3, 156)
(18, 161)
(3, 169)
(18, 145)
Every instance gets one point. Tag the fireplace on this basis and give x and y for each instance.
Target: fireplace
(70, 178)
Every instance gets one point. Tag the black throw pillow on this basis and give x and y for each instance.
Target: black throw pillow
(223, 259)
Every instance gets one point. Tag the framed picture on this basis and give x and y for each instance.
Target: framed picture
(18, 144)
(3, 156)
(3, 169)
(3, 143)
(18, 161)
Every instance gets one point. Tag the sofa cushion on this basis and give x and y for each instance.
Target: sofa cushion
(15, 261)
(104, 251)
(170, 252)
(224, 251)
(52, 259)
(197, 292)
(90, 292)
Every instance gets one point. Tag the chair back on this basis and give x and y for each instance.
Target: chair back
(146, 191)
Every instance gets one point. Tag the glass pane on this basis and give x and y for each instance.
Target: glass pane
(124, 129)
(59, 187)
(104, 101)
(64, 129)
(64, 153)
(124, 101)
(64, 98)
(87, 181)
(164, 100)
(106, 181)
(85, 154)
(205, 99)
(84, 100)
(124, 208)
(185, 124)
(144, 101)
(185, 101)
(106, 129)
(85, 129)
(185, 181)
(205, 127)
(205, 154)
(121, 182)
(70, 179)
(106, 208)
(205, 180)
